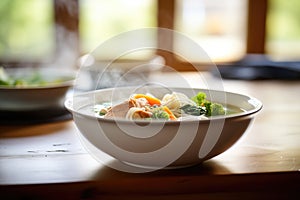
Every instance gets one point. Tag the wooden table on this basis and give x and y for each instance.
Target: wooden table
(47, 161)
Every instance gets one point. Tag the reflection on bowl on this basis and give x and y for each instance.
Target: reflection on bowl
(160, 144)
(50, 94)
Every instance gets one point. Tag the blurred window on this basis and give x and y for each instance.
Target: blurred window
(100, 20)
(283, 30)
(30, 30)
(26, 30)
(219, 27)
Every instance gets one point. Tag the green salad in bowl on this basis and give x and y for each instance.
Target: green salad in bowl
(33, 89)
(29, 78)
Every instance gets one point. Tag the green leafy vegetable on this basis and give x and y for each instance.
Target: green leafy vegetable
(193, 110)
(212, 108)
(4, 78)
(158, 113)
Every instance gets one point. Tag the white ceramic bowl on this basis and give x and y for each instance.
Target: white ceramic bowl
(158, 144)
(34, 98)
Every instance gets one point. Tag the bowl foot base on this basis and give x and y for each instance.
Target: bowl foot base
(158, 167)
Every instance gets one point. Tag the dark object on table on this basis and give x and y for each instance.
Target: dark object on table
(35, 116)
(259, 67)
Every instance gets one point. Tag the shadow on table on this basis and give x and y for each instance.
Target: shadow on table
(206, 168)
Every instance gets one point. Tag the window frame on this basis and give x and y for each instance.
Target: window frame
(255, 42)
(256, 32)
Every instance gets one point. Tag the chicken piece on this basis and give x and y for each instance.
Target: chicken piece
(120, 110)
(137, 107)
(139, 103)
(138, 113)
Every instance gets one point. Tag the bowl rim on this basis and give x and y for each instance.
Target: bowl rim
(257, 107)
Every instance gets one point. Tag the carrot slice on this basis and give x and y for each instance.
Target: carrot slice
(170, 113)
(151, 100)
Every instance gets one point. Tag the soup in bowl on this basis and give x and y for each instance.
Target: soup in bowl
(156, 127)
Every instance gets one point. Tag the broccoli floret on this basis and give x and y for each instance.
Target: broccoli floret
(207, 106)
(217, 109)
(200, 98)
(212, 109)
(160, 114)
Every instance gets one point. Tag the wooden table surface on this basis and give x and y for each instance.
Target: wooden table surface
(46, 161)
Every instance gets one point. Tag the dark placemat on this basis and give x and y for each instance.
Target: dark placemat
(259, 67)
(259, 72)
(34, 117)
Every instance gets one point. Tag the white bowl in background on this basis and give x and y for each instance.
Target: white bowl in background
(36, 97)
